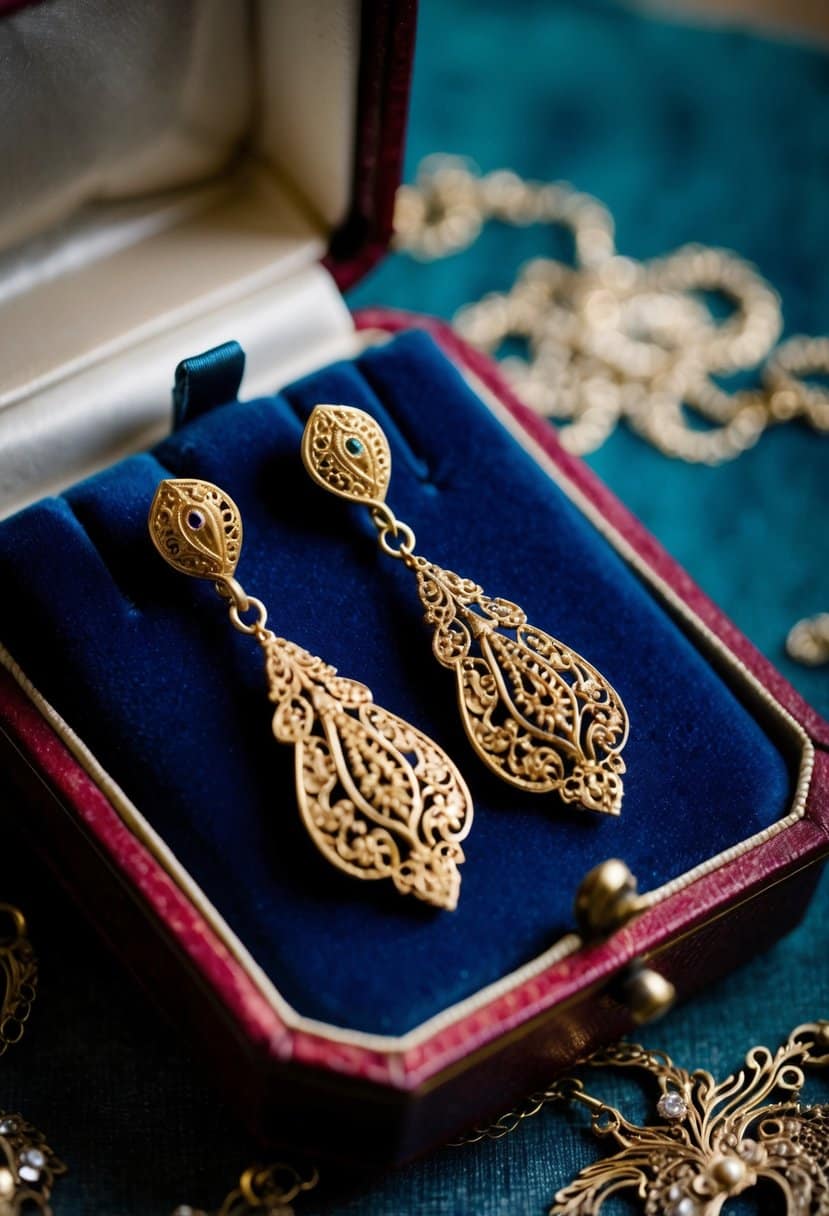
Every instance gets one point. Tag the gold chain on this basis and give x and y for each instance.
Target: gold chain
(610, 338)
(563, 1090)
(262, 1191)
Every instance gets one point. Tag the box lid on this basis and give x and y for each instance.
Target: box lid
(176, 173)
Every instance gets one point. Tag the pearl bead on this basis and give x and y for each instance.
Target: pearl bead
(728, 1172)
(685, 1207)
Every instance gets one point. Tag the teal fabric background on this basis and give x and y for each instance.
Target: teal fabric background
(686, 133)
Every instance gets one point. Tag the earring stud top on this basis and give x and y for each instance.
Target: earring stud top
(196, 528)
(346, 452)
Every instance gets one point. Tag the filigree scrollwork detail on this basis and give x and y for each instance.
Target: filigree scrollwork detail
(535, 711)
(347, 453)
(377, 796)
(28, 1168)
(379, 799)
(196, 528)
(713, 1140)
(18, 976)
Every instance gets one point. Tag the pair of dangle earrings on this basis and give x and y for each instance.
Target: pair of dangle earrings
(379, 798)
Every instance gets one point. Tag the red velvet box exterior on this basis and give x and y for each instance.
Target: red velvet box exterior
(314, 1090)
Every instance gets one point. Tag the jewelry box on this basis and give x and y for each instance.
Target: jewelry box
(240, 176)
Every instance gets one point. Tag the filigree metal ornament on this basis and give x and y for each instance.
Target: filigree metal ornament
(539, 715)
(18, 976)
(711, 1140)
(379, 798)
(28, 1168)
(262, 1191)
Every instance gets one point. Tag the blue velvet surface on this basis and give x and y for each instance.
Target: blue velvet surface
(142, 664)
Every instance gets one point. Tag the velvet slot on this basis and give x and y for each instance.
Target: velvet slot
(143, 665)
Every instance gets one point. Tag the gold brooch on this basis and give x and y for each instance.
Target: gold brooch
(711, 1140)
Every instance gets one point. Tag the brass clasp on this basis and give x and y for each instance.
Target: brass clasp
(607, 898)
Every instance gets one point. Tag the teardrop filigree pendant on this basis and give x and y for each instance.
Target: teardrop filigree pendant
(377, 796)
(536, 712)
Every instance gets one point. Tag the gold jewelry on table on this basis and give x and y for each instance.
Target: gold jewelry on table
(539, 715)
(18, 973)
(378, 798)
(808, 640)
(611, 338)
(711, 1142)
(28, 1168)
(262, 1191)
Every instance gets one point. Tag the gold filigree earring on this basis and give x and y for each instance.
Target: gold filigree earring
(378, 798)
(539, 715)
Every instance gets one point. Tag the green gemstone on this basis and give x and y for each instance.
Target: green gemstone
(354, 446)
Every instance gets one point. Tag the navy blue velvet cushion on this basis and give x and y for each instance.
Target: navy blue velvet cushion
(143, 664)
